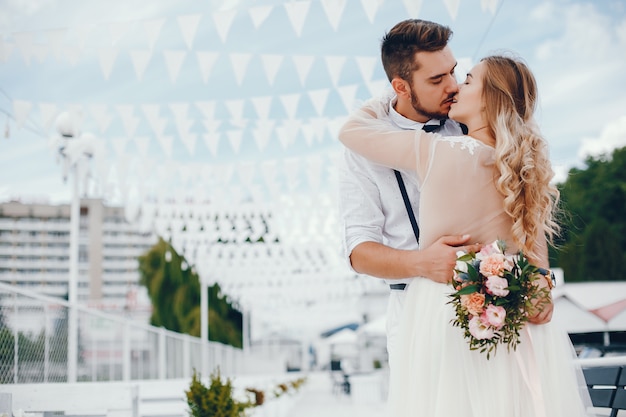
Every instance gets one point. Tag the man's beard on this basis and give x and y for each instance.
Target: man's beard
(421, 110)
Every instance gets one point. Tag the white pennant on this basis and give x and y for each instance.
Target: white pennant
(211, 140)
(291, 170)
(179, 110)
(303, 65)
(119, 145)
(174, 61)
(206, 61)
(207, 108)
(188, 26)
(335, 64)
(223, 20)
(212, 125)
(246, 172)
(235, 108)
(117, 30)
(288, 132)
(48, 112)
(348, 96)
(314, 171)
(152, 29)
(240, 65)
(40, 51)
(366, 65)
(371, 8)
(262, 105)
(189, 140)
(55, 38)
(334, 125)
(234, 137)
(258, 14)
(377, 87)
(290, 104)
(268, 170)
(453, 7)
(308, 131)
(157, 123)
(140, 59)
(263, 132)
(22, 109)
(413, 7)
(5, 50)
(24, 42)
(72, 53)
(334, 10)
(271, 65)
(317, 125)
(142, 143)
(81, 33)
(101, 116)
(297, 11)
(319, 98)
(130, 122)
(166, 144)
(491, 5)
(107, 57)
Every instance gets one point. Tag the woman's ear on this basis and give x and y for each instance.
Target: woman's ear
(401, 87)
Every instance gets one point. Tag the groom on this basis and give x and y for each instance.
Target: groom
(378, 206)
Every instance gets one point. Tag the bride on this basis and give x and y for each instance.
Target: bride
(493, 183)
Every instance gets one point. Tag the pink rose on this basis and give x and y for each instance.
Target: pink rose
(492, 265)
(473, 303)
(497, 286)
(479, 329)
(494, 315)
(488, 250)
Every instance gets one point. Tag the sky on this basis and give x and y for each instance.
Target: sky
(238, 102)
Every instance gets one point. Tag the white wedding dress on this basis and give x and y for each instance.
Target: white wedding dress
(435, 374)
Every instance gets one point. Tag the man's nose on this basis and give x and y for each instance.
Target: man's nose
(453, 86)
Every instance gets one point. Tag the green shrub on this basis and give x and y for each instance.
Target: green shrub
(216, 400)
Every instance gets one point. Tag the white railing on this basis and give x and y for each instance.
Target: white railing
(34, 345)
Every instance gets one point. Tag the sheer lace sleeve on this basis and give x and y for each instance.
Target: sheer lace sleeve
(376, 140)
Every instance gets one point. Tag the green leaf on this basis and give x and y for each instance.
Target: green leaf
(467, 290)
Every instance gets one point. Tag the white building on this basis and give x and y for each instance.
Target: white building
(34, 252)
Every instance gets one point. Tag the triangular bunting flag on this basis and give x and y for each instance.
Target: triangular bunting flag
(152, 29)
(371, 8)
(453, 7)
(142, 143)
(240, 65)
(271, 65)
(48, 112)
(174, 61)
(188, 26)
(235, 108)
(297, 11)
(21, 109)
(366, 66)
(303, 65)
(247, 173)
(119, 145)
(335, 64)
(211, 140)
(207, 108)
(55, 38)
(72, 53)
(288, 132)
(211, 125)
(262, 105)
(491, 5)
(24, 42)
(157, 123)
(101, 116)
(258, 14)
(263, 132)
(166, 144)
(206, 61)
(107, 57)
(117, 30)
(40, 51)
(377, 87)
(140, 58)
(318, 98)
(130, 122)
(290, 104)
(413, 7)
(5, 50)
(348, 96)
(223, 20)
(189, 140)
(334, 10)
(234, 137)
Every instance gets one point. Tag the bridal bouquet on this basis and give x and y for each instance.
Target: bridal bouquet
(494, 296)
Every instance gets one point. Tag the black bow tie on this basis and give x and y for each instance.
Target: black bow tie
(432, 127)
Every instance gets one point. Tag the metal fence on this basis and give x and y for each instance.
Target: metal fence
(34, 345)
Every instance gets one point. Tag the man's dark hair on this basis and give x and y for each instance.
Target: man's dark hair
(404, 40)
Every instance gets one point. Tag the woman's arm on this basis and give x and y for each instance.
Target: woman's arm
(544, 307)
(378, 141)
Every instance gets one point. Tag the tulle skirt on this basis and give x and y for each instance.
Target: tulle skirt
(436, 375)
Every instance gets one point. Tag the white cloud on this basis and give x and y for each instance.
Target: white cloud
(613, 136)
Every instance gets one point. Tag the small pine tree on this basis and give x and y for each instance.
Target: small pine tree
(216, 400)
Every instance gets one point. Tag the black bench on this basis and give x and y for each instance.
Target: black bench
(606, 387)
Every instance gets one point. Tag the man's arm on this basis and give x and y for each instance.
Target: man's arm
(435, 262)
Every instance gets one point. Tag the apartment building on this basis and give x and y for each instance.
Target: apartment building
(34, 252)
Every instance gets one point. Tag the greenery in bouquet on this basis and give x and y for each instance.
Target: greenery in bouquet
(495, 294)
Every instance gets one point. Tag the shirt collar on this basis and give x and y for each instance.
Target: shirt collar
(404, 123)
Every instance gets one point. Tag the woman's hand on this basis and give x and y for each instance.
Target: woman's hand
(543, 306)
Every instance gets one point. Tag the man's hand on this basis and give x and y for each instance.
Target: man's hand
(437, 261)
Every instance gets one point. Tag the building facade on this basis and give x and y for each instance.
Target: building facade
(34, 252)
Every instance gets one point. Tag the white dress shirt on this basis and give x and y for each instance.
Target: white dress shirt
(370, 203)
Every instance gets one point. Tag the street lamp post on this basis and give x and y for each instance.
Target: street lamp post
(67, 146)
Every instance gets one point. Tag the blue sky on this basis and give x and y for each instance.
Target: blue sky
(576, 49)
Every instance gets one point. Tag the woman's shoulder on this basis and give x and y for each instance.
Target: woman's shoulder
(462, 142)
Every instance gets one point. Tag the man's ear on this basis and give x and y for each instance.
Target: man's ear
(401, 87)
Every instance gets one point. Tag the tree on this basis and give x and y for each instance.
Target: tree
(174, 290)
(593, 242)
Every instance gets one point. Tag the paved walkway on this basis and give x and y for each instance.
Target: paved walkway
(317, 399)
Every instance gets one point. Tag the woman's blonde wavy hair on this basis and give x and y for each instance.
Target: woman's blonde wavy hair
(523, 168)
